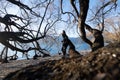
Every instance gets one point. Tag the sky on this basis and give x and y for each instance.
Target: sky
(93, 3)
(61, 26)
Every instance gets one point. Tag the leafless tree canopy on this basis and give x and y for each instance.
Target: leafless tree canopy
(81, 8)
(25, 23)
(31, 24)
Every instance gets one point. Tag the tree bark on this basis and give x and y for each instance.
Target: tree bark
(84, 6)
(99, 40)
(15, 36)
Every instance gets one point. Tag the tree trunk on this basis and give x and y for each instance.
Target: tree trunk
(84, 5)
(99, 42)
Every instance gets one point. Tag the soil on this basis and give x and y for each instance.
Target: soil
(103, 64)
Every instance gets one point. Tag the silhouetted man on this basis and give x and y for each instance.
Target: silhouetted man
(64, 43)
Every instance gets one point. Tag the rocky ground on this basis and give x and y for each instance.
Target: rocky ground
(14, 65)
(103, 64)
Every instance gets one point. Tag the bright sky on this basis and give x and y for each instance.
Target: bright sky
(72, 31)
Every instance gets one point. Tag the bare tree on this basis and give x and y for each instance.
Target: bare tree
(29, 26)
(35, 19)
(81, 14)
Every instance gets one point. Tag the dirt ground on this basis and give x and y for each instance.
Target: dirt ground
(14, 65)
(103, 64)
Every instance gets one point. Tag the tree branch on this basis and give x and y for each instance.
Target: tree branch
(14, 36)
(43, 18)
(84, 5)
(18, 3)
(108, 3)
(74, 7)
(67, 12)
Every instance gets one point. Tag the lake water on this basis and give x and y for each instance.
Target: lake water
(56, 48)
